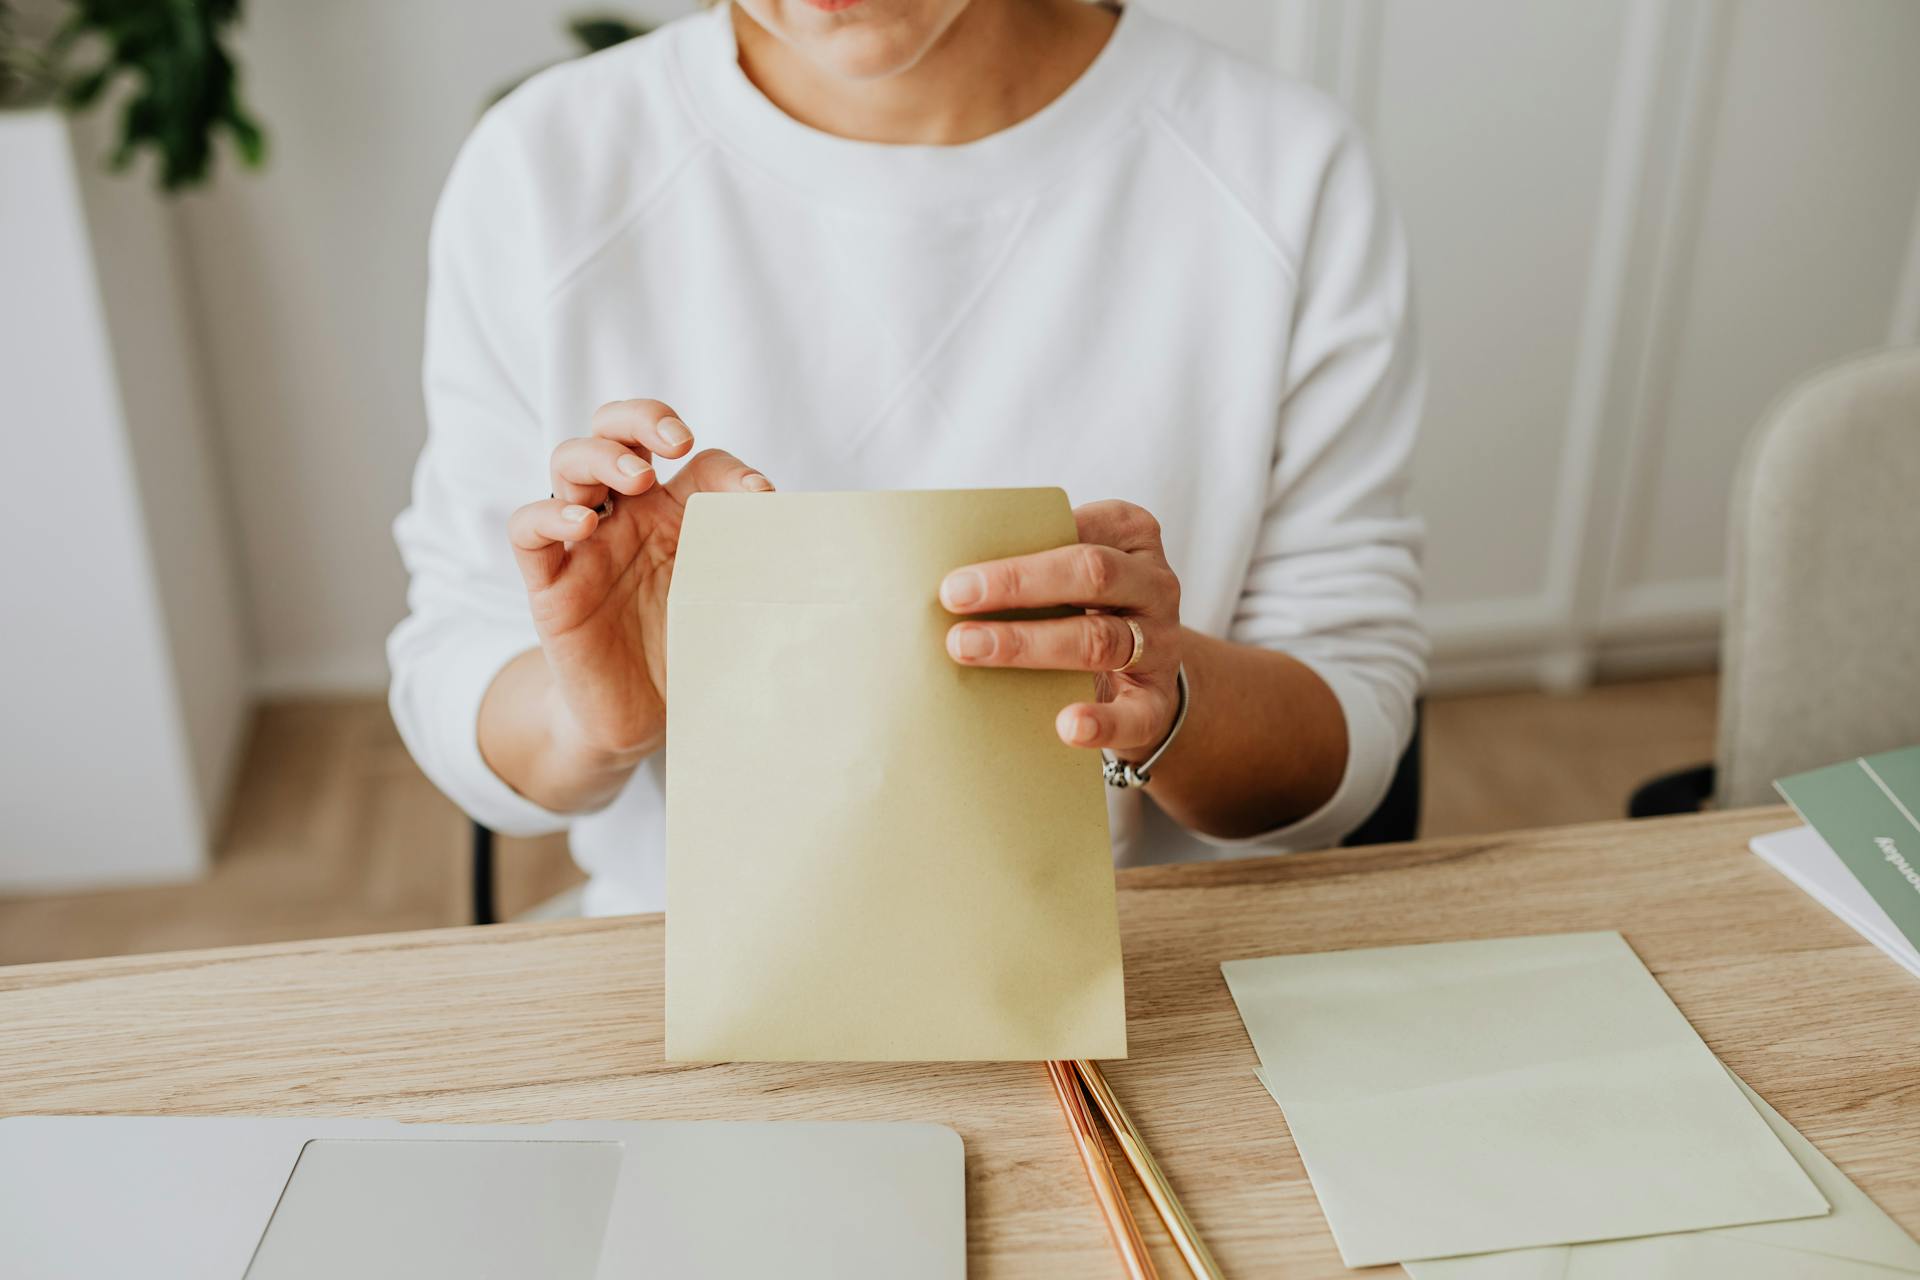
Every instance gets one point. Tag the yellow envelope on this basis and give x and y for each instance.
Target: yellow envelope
(874, 853)
(1467, 1097)
(1857, 1241)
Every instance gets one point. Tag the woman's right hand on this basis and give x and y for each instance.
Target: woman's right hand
(597, 585)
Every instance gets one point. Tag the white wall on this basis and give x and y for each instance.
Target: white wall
(311, 278)
(1634, 223)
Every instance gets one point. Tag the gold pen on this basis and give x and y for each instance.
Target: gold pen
(1158, 1189)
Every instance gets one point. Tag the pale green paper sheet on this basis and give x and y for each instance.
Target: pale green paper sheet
(873, 852)
(1857, 1241)
(1470, 1097)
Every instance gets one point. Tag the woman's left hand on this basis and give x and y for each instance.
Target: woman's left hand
(1119, 573)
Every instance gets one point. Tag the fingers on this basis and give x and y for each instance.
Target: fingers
(716, 471)
(1088, 575)
(585, 468)
(648, 425)
(1134, 721)
(617, 454)
(540, 531)
(1092, 642)
(1119, 564)
(1118, 524)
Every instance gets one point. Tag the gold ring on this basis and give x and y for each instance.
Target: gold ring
(1139, 646)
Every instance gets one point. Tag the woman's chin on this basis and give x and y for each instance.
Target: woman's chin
(864, 54)
(857, 39)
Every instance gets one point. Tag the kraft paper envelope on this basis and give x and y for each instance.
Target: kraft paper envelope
(874, 853)
(1468, 1097)
(1857, 1241)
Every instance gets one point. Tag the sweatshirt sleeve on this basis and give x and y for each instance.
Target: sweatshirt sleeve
(485, 455)
(1335, 574)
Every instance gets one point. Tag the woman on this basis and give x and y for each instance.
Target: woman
(922, 244)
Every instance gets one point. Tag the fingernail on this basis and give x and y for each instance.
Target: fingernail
(756, 482)
(674, 432)
(632, 466)
(577, 513)
(1081, 727)
(970, 642)
(962, 589)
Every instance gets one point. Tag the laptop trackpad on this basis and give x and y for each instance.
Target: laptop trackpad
(424, 1209)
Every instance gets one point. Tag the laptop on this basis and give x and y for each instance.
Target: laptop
(94, 1198)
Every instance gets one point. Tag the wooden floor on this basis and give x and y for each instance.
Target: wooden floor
(334, 831)
(1499, 762)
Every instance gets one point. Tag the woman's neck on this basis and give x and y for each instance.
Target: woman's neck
(1000, 62)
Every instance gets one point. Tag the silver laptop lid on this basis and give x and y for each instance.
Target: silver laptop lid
(194, 1199)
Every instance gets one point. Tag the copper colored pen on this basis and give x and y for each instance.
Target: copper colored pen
(1100, 1172)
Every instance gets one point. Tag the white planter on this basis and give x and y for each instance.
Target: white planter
(122, 655)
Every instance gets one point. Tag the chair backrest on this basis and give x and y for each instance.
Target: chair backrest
(1821, 656)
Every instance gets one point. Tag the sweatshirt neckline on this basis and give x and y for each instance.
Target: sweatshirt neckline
(970, 175)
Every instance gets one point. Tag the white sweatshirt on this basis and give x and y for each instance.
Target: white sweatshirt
(1178, 284)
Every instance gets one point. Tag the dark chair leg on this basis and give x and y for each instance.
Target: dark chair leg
(1682, 791)
(483, 906)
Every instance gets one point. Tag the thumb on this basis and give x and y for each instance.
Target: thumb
(716, 471)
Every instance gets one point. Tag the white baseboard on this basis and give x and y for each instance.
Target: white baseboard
(1642, 660)
(1666, 611)
(1568, 671)
(335, 675)
(1468, 674)
(1529, 642)
(1491, 628)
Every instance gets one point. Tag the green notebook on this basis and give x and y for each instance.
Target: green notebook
(1865, 810)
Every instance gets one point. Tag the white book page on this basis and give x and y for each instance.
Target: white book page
(1804, 858)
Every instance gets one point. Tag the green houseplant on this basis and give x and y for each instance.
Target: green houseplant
(182, 85)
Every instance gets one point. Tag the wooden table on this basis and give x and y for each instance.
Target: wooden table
(563, 1021)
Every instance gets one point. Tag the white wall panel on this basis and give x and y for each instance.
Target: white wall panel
(1634, 226)
(1806, 214)
(1500, 188)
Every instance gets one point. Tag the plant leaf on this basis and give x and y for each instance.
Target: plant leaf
(182, 83)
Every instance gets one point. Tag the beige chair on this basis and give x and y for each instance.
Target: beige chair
(1820, 656)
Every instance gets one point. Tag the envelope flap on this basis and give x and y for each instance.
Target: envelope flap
(1856, 1241)
(1857, 1229)
(826, 548)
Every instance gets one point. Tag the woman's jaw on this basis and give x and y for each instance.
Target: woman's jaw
(928, 72)
(856, 39)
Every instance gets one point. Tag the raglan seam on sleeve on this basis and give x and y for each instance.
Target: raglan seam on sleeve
(634, 213)
(1224, 189)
